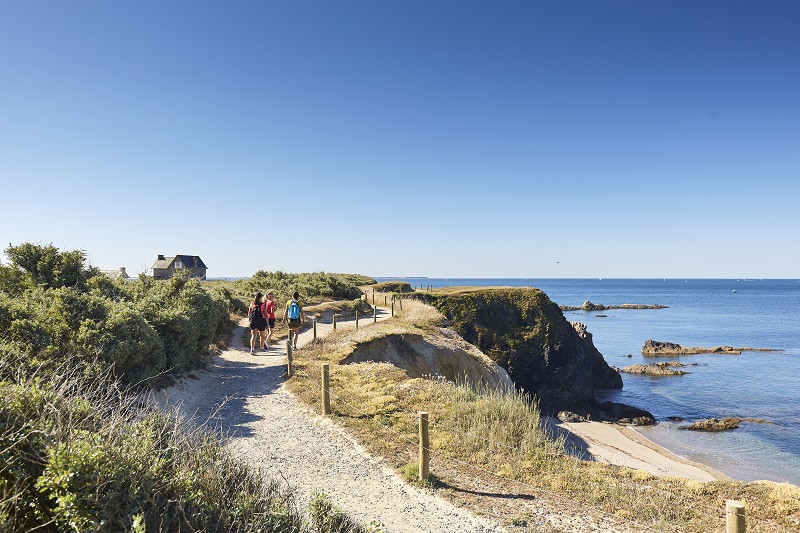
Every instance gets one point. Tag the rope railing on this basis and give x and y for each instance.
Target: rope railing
(734, 514)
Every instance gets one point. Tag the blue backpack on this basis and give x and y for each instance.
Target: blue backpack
(294, 310)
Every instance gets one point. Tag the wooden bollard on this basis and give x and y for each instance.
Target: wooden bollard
(384, 299)
(334, 321)
(356, 318)
(374, 314)
(326, 389)
(314, 326)
(373, 296)
(424, 447)
(734, 517)
(392, 307)
(289, 362)
(401, 303)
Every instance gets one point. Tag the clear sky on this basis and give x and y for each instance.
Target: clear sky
(439, 138)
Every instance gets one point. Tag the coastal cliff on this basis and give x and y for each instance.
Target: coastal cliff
(526, 333)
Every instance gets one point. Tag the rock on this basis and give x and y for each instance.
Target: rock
(523, 331)
(656, 348)
(601, 316)
(714, 424)
(570, 417)
(589, 306)
(654, 369)
(675, 418)
(630, 355)
(616, 412)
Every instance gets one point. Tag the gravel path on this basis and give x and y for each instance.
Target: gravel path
(244, 395)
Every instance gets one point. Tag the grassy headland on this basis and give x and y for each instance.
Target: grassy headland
(500, 436)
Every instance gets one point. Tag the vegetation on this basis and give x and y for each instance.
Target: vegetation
(78, 451)
(392, 286)
(313, 287)
(500, 435)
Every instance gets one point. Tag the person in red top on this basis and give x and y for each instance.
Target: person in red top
(270, 307)
(258, 322)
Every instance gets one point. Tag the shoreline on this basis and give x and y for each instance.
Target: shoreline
(623, 446)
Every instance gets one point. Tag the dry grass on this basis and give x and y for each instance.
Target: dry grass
(500, 434)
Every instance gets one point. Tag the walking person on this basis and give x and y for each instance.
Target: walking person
(294, 313)
(270, 307)
(258, 323)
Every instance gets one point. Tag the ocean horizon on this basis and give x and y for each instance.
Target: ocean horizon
(758, 313)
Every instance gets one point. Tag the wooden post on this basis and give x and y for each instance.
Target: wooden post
(374, 314)
(392, 307)
(289, 362)
(334, 321)
(424, 447)
(314, 325)
(401, 303)
(384, 299)
(734, 517)
(356, 319)
(291, 334)
(326, 389)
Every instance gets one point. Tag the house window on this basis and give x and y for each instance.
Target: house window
(178, 264)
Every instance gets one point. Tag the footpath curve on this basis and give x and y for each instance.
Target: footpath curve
(243, 395)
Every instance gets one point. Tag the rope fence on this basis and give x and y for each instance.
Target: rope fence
(734, 513)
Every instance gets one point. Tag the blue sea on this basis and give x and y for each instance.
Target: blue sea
(701, 312)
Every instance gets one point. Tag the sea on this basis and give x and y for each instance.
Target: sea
(760, 313)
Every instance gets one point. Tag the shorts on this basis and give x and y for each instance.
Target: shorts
(271, 322)
(259, 323)
(295, 323)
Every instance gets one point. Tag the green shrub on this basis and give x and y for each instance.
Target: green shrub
(393, 286)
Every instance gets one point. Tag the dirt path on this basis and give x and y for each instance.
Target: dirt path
(270, 429)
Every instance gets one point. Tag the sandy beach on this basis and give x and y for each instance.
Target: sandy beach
(623, 446)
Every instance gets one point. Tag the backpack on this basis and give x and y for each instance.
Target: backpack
(294, 310)
(255, 314)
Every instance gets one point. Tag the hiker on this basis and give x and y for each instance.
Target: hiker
(270, 307)
(294, 312)
(258, 324)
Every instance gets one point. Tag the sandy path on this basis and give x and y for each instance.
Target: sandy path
(244, 395)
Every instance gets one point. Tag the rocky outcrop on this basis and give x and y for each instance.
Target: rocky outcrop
(655, 369)
(570, 417)
(721, 424)
(525, 332)
(589, 306)
(625, 414)
(655, 348)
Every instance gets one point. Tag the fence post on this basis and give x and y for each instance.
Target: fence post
(289, 362)
(424, 447)
(326, 389)
(401, 303)
(356, 319)
(384, 299)
(392, 307)
(734, 517)
(374, 314)
(373, 296)
(334, 321)
(314, 326)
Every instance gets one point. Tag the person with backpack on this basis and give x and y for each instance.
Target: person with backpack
(294, 313)
(258, 323)
(270, 307)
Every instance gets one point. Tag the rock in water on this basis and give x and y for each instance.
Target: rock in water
(654, 369)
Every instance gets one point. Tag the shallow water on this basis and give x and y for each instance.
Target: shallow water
(760, 313)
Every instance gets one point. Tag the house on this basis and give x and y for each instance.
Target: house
(116, 274)
(166, 267)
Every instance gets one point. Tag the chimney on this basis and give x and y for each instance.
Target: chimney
(122, 270)
(160, 257)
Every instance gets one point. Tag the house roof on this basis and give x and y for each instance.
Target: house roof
(187, 260)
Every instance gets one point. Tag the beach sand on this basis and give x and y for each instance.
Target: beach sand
(623, 446)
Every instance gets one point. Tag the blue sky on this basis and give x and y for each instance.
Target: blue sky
(488, 139)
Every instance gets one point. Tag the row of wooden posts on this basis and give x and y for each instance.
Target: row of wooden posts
(734, 510)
